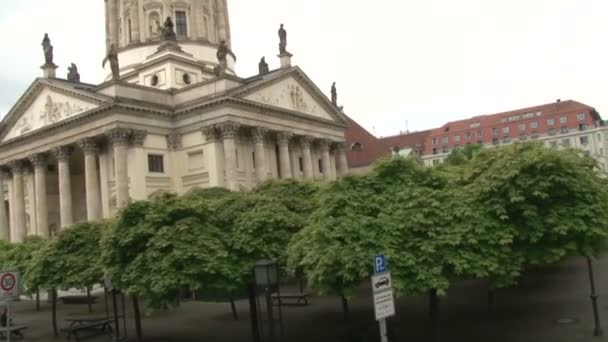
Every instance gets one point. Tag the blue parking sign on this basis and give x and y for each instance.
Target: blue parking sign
(380, 265)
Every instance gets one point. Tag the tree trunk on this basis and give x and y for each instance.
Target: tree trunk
(235, 314)
(37, 300)
(490, 300)
(54, 311)
(253, 310)
(345, 308)
(89, 304)
(137, 313)
(434, 315)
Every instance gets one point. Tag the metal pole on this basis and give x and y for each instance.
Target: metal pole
(597, 330)
(270, 318)
(8, 321)
(383, 330)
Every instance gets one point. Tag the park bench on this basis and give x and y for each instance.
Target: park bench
(290, 299)
(81, 328)
(14, 330)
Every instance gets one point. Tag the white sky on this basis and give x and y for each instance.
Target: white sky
(424, 62)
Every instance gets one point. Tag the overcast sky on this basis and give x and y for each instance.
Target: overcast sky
(396, 62)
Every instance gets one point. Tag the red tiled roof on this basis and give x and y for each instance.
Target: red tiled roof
(416, 141)
(372, 148)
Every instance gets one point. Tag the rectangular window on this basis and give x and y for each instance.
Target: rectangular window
(550, 122)
(480, 133)
(584, 140)
(446, 150)
(181, 23)
(582, 127)
(494, 132)
(301, 163)
(469, 135)
(457, 138)
(534, 125)
(446, 140)
(522, 127)
(506, 131)
(580, 116)
(563, 120)
(196, 160)
(435, 162)
(435, 151)
(320, 166)
(435, 141)
(156, 163)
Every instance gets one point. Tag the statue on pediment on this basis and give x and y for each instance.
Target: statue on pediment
(113, 59)
(73, 74)
(263, 66)
(48, 50)
(282, 40)
(168, 32)
(222, 57)
(334, 94)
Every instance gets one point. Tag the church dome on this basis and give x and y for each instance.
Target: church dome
(134, 27)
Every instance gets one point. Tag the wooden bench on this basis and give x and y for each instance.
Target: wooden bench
(290, 299)
(80, 329)
(14, 330)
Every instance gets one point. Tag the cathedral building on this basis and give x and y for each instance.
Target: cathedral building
(172, 115)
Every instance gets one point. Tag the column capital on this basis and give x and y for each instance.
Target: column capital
(174, 141)
(63, 153)
(88, 145)
(324, 145)
(211, 133)
(229, 129)
(283, 138)
(39, 159)
(138, 137)
(259, 134)
(306, 141)
(340, 146)
(16, 166)
(119, 136)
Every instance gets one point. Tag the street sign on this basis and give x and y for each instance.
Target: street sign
(382, 282)
(384, 304)
(380, 265)
(9, 286)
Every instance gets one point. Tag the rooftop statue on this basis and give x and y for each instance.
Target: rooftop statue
(283, 40)
(263, 66)
(48, 50)
(167, 32)
(73, 74)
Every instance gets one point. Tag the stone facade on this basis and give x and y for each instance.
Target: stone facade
(72, 152)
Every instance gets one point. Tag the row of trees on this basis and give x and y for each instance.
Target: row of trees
(485, 214)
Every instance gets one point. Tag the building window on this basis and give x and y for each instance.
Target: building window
(522, 127)
(534, 125)
(582, 127)
(563, 120)
(469, 135)
(320, 166)
(506, 131)
(357, 147)
(550, 122)
(187, 79)
(446, 150)
(156, 163)
(580, 116)
(435, 162)
(446, 140)
(495, 141)
(154, 81)
(494, 132)
(480, 133)
(457, 138)
(301, 163)
(584, 140)
(435, 141)
(435, 151)
(564, 130)
(181, 23)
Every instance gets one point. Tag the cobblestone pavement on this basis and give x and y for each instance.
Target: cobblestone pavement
(550, 305)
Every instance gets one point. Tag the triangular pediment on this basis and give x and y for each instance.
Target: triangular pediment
(294, 95)
(44, 105)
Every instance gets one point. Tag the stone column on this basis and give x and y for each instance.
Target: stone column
(62, 154)
(31, 210)
(325, 163)
(104, 180)
(259, 137)
(229, 131)
(5, 230)
(91, 177)
(139, 166)
(215, 156)
(112, 23)
(120, 142)
(42, 214)
(307, 157)
(283, 139)
(342, 160)
(19, 230)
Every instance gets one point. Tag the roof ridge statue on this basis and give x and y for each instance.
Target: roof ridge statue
(73, 74)
(113, 59)
(222, 58)
(283, 40)
(334, 94)
(263, 66)
(167, 32)
(48, 50)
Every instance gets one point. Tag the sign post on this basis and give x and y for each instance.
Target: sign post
(382, 287)
(9, 291)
